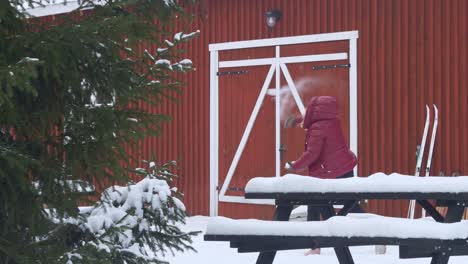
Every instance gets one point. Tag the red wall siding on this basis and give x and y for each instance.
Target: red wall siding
(410, 53)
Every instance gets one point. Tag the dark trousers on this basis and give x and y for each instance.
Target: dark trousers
(314, 212)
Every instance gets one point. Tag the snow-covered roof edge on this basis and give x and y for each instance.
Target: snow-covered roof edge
(53, 8)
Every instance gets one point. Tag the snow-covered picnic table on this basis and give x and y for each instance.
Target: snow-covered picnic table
(378, 184)
(438, 238)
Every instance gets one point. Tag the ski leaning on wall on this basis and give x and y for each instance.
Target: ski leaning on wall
(433, 137)
(431, 146)
(420, 153)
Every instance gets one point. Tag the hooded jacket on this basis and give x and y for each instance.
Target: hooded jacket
(326, 153)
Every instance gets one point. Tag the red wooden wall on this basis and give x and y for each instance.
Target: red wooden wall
(410, 53)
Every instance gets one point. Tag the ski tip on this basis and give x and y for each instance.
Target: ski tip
(435, 108)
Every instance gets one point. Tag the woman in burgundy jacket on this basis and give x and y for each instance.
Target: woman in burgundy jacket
(326, 154)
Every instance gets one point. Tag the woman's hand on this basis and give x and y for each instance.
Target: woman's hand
(288, 166)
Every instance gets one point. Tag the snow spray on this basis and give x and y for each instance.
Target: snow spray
(288, 105)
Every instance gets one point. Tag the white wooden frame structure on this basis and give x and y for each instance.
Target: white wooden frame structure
(278, 65)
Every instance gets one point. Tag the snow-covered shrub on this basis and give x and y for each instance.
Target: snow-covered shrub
(137, 223)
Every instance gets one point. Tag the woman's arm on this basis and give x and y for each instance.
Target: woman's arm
(315, 144)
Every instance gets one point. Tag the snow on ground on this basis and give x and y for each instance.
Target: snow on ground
(220, 252)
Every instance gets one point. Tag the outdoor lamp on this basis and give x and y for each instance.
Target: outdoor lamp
(272, 17)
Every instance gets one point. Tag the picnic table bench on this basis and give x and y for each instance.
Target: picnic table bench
(446, 236)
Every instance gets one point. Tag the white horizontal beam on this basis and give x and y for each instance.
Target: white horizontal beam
(345, 35)
(284, 60)
(312, 58)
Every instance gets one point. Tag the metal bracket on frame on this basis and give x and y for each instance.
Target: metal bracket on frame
(326, 67)
(232, 72)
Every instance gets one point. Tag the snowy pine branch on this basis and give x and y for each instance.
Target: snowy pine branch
(137, 223)
(75, 94)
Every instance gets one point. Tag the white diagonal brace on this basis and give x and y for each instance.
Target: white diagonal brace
(247, 131)
(293, 89)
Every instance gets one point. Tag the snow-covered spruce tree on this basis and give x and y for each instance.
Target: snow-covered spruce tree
(71, 97)
(132, 224)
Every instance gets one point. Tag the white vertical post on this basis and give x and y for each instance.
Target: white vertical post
(353, 99)
(214, 133)
(278, 114)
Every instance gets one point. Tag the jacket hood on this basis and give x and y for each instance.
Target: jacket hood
(320, 108)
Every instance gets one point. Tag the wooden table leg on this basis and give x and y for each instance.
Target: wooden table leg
(431, 210)
(440, 259)
(348, 206)
(282, 213)
(454, 214)
(342, 253)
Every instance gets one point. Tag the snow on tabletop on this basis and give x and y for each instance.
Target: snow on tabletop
(376, 183)
(342, 226)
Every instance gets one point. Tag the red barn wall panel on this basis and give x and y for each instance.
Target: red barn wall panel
(410, 53)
